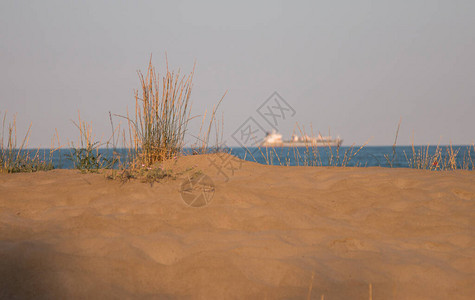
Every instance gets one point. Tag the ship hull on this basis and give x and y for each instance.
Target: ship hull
(331, 143)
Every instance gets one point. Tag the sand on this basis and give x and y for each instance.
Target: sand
(269, 232)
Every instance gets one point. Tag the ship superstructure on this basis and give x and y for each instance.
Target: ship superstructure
(274, 139)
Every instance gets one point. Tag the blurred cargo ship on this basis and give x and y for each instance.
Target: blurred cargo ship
(274, 139)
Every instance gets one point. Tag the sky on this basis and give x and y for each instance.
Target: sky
(349, 68)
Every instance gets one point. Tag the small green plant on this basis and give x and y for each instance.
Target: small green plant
(151, 175)
(85, 155)
(89, 159)
(144, 174)
(123, 175)
(156, 174)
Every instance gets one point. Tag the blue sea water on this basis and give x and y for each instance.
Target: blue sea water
(369, 156)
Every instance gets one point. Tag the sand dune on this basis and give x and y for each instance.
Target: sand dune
(269, 232)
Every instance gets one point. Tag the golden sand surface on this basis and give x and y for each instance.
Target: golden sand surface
(269, 232)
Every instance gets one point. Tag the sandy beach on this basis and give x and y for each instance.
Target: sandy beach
(269, 232)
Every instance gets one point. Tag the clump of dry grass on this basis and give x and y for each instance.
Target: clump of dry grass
(16, 157)
(467, 160)
(157, 131)
(443, 158)
(162, 113)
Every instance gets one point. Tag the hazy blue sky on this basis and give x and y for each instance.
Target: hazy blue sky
(353, 66)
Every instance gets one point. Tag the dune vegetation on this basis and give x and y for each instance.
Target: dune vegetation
(156, 132)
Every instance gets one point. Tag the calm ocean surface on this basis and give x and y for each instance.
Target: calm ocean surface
(369, 156)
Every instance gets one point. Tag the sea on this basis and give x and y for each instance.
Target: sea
(427, 157)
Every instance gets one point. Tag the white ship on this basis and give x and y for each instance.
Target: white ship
(274, 139)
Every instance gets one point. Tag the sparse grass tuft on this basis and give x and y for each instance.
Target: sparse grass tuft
(156, 174)
(85, 154)
(14, 158)
(443, 158)
(203, 139)
(394, 156)
(308, 155)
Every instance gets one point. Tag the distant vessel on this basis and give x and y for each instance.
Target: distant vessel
(274, 139)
